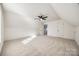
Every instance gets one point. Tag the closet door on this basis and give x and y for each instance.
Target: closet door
(69, 31)
(60, 28)
(52, 28)
(65, 30)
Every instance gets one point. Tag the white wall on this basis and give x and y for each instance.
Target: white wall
(19, 19)
(77, 35)
(68, 12)
(69, 30)
(61, 28)
(0, 23)
(1, 27)
(17, 27)
(32, 9)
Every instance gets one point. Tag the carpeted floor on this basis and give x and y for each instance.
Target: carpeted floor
(40, 46)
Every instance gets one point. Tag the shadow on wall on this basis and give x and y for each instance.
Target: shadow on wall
(17, 26)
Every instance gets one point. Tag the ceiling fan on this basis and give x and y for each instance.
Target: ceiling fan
(43, 17)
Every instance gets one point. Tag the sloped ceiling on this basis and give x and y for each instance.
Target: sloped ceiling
(68, 12)
(54, 11)
(32, 10)
(19, 18)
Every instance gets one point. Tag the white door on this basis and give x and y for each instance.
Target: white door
(60, 28)
(52, 28)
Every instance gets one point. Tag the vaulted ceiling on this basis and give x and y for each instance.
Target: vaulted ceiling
(29, 11)
(32, 10)
(68, 12)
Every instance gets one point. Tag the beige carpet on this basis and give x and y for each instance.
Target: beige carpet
(40, 46)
